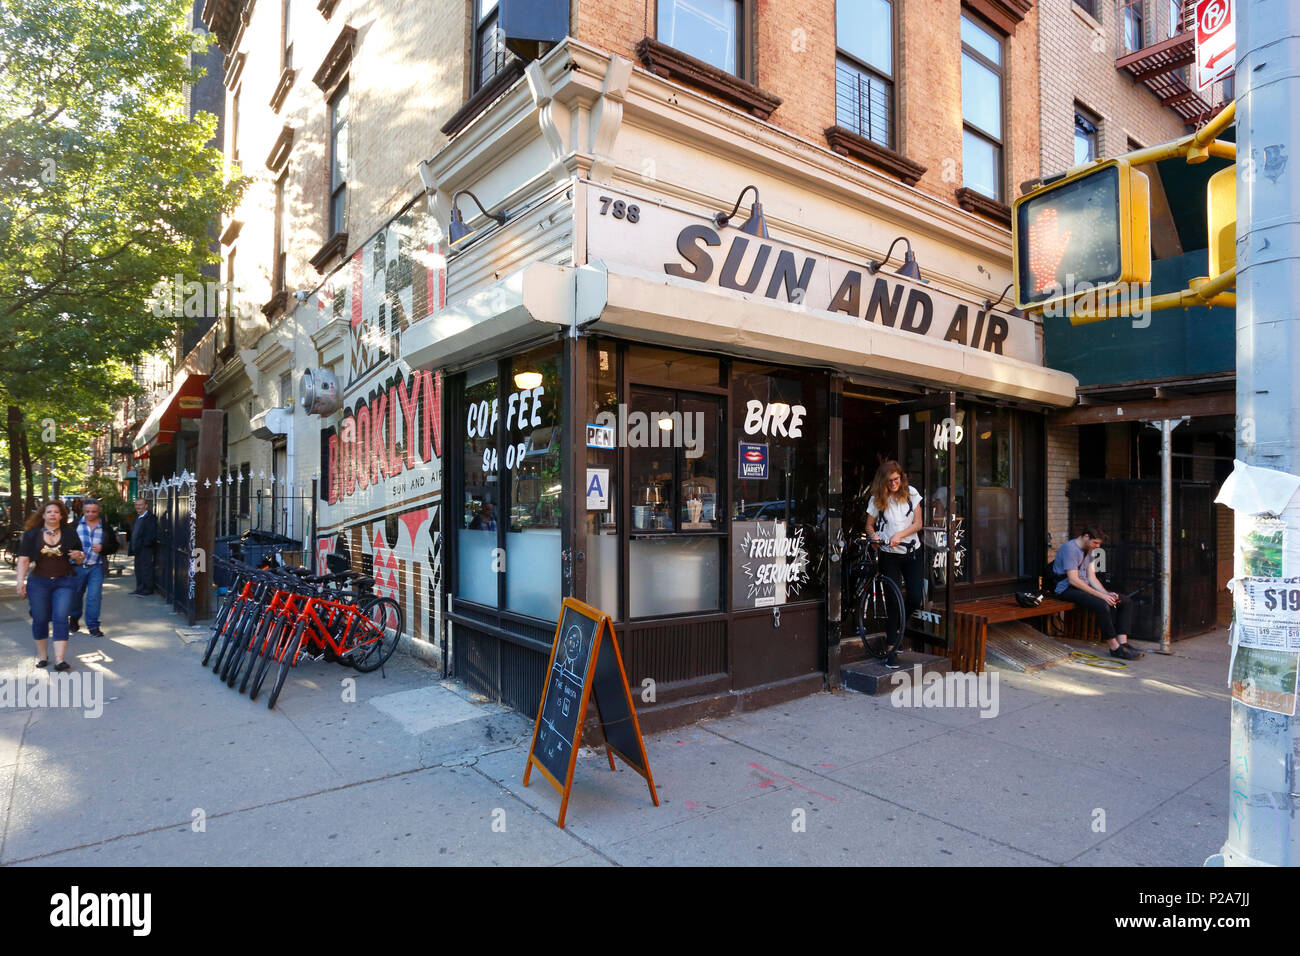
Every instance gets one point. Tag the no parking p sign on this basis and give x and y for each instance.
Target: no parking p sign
(1216, 41)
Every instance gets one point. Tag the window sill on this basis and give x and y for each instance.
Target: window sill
(675, 65)
(334, 248)
(483, 98)
(982, 205)
(1092, 22)
(848, 143)
(326, 7)
(685, 533)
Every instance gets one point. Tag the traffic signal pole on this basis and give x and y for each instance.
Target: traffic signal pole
(1262, 830)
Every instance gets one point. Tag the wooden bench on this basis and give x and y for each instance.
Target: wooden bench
(971, 622)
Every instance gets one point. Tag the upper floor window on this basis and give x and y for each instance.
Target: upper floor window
(1131, 29)
(490, 53)
(1175, 17)
(281, 235)
(709, 30)
(1088, 6)
(234, 125)
(1085, 136)
(981, 108)
(339, 160)
(864, 68)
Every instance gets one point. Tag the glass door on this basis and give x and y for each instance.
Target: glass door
(930, 445)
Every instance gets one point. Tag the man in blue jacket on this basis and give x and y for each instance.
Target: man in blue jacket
(1078, 584)
(143, 543)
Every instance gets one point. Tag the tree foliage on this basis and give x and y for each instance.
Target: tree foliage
(107, 186)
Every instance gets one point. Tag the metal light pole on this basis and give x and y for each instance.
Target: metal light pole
(1261, 826)
(1166, 427)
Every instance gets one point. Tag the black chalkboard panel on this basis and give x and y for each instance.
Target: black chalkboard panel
(609, 688)
(585, 663)
(563, 699)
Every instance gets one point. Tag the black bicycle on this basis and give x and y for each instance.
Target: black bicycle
(874, 596)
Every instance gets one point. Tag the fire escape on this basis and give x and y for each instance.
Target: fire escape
(1162, 66)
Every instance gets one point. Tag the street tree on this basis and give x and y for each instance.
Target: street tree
(107, 186)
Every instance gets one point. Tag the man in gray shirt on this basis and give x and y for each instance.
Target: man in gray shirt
(1078, 584)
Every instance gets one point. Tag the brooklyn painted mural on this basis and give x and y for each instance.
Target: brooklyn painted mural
(381, 454)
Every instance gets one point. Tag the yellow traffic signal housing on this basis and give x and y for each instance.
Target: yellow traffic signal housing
(1087, 233)
(1221, 217)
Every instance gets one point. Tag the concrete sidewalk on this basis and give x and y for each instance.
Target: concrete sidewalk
(1081, 766)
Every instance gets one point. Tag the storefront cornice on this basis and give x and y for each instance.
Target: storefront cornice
(576, 82)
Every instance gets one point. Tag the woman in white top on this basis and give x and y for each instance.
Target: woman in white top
(894, 512)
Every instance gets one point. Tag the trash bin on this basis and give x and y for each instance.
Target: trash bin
(226, 547)
(256, 545)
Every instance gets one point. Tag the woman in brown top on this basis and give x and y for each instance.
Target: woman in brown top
(47, 578)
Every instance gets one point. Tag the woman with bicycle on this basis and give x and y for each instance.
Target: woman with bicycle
(894, 513)
(47, 578)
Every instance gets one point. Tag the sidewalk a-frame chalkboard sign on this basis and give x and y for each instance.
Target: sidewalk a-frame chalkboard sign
(585, 664)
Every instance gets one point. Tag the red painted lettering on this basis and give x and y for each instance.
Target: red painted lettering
(409, 408)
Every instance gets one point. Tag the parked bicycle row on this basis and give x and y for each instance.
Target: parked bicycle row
(277, 616)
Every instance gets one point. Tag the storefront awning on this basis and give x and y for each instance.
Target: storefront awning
(187, 400)
(661, 309)
(522, 307)
(621, 300)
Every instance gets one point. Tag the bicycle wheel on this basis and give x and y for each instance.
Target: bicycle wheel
(376, 634)
(286, 662)
(212, 641)
(259, 650)
(271, 653)
(883, 599)
(239, 647)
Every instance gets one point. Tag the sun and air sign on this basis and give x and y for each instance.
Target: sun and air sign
(622, 228)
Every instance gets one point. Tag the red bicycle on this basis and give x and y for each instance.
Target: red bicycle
(361, 634)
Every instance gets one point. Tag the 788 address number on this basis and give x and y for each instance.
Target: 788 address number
(609, 206)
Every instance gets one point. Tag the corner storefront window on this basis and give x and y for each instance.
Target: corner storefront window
(508, 538)
(678, 497)
(533, 437)
(778, 527)
(477, 530)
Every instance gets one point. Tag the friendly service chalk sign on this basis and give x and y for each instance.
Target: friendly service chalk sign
(585, 665)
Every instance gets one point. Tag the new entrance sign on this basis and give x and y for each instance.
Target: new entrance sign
(1216, 41)
(585, 664)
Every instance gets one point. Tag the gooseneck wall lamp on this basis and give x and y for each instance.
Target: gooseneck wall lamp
(755, 225)
(910, 269)
(1013, 312)
(457, 229)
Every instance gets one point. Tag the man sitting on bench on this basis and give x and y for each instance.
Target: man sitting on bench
(1078, 584)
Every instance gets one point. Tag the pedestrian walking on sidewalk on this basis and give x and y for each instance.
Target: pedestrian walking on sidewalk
(1075, 562)
(48, 579)
(98, 542)
(143, 543)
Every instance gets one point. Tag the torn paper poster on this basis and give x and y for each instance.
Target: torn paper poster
(1253, 490)
(1267, 612)
(1264, 679)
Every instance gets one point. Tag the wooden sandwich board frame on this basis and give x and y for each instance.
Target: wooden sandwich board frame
(604, 626)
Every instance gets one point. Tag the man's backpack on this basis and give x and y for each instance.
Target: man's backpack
(1051, 578)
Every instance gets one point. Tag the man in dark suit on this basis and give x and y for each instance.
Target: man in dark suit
(143, 543)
